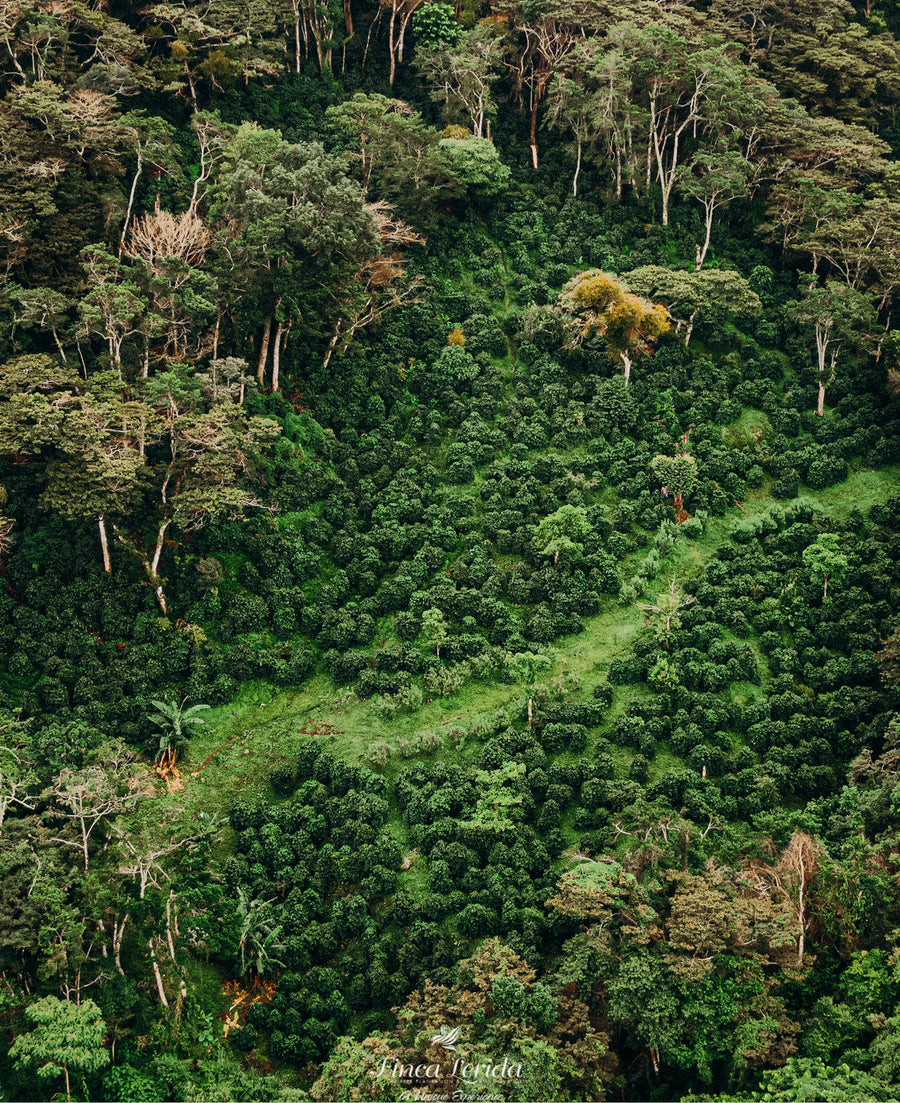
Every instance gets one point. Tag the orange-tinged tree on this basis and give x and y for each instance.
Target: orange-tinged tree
(596, 303)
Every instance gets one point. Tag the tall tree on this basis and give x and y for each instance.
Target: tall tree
(84, 438)
(720, 291)
(549, 37)
(205, 469)
(65, 1039)
(289, 227)
(713, 177)
(461, 77)
(573, 107)
(94, 794)
(840, 317)
(400, 12)
(825, 561)
(596, 303)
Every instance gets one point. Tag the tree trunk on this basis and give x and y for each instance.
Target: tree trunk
(276, 355)
(156, 973)
(666, 192)
(264, 353)
(532, 140)
(626, 360)
(702, 251)
(150, 566)
(296, 36)
(154, 568)
(376, 20)
(134, 183)
(577, 170)
(391, 25)
(820, 404)
(332, 344)
(59, 346)
(104, 544)
(85, 841)
(402, 37)
(118, 933)
(690, 329)
(169, 938)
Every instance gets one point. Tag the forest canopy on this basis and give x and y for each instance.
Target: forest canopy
(449, 550)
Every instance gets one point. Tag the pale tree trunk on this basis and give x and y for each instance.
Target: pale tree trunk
(156, 973)
(377, 19)
(169, 938)
(401, 41)
(822, 343)
(631, 164)
(154, 568)
(118, 934)
(577, 170)
(264, 353)
(59, 346)
(115, 353)
(665, 176)
(690, 329)
(296, 7)
(332, 344)
(134, 184)
(391, 27)
(276, 365)
(104, 544)
(702, 251)
(151, 567)
(276, 355)
(666, 194)
(532, 140)
(801, 896)
(626, 360)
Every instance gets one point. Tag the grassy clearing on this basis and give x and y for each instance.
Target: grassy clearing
(260, 729)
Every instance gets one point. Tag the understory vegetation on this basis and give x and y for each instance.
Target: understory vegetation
(449, 551)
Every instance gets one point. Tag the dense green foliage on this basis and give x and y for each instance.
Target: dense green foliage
(510, 395)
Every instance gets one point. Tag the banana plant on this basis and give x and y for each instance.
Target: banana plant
(175, 720)
(260, 940)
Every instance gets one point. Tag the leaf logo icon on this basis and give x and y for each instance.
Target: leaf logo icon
(447, 1038)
